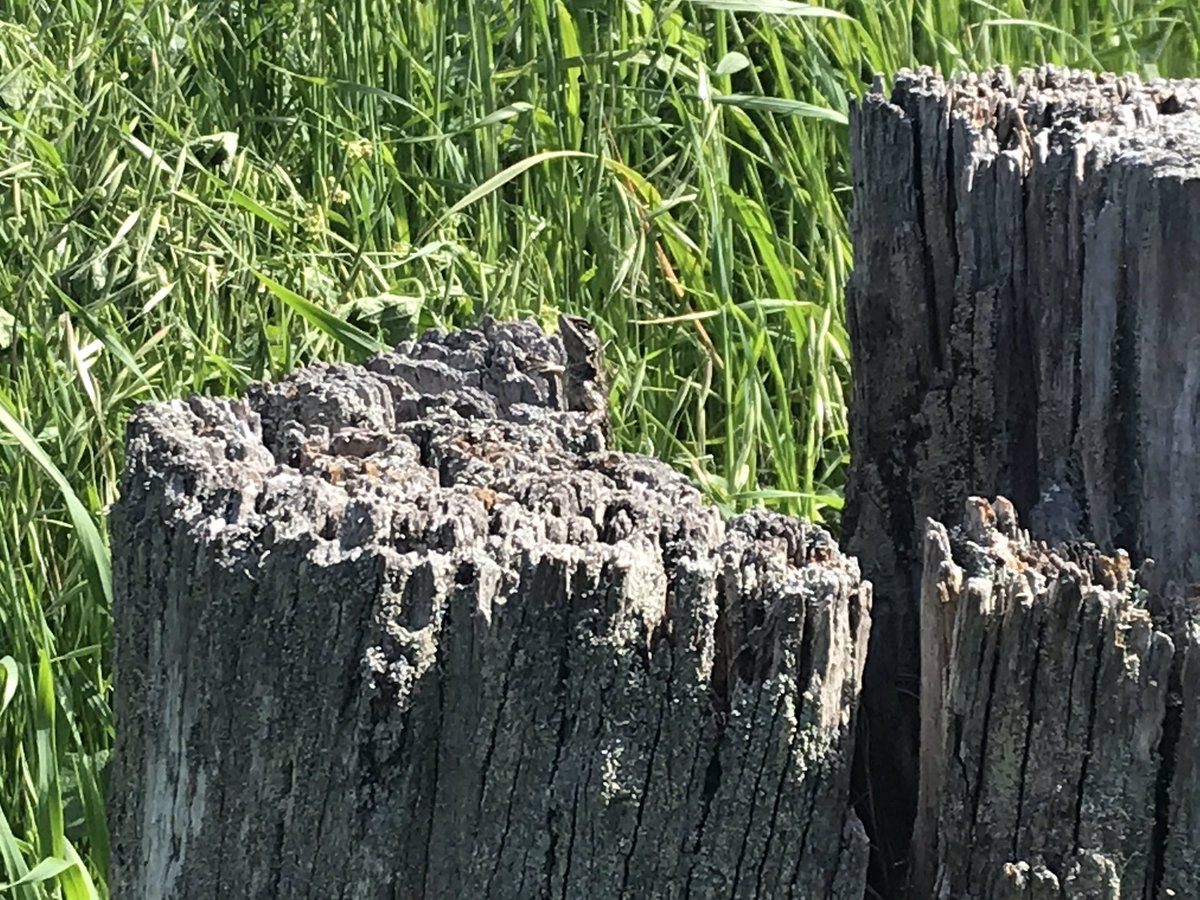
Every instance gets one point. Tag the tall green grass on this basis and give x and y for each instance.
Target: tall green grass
(195, 196)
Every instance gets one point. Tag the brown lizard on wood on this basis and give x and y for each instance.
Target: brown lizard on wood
(584, 386)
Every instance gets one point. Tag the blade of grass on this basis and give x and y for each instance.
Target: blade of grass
(349, 336)
(49, 789)
(93, 548)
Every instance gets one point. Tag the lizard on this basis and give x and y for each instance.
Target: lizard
(584, 387)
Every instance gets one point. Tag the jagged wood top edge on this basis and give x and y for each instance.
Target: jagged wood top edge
(455, 443)
(1159, 119)
(990, 543)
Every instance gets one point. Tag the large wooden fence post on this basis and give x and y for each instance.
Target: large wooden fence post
(1025, 319)
(409, 631)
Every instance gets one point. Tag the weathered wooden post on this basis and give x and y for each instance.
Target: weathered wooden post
(1025, 319)
(408, 630)
(1041, 765)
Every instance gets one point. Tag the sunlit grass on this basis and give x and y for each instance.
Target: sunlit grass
(195, 197)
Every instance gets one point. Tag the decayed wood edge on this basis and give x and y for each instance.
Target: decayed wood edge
(410, 627)
(1099, 802)
(1179, 828)
(940, 587)
(1018, 325)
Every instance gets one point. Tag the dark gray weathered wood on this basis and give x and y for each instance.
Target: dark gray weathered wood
(409, 630)
(1046, 720)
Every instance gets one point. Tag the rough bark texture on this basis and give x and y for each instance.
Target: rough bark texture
(1179, 785)
(409, 630)
(1049, 715)
(1024, 319)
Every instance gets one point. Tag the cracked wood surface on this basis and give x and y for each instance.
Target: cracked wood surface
(409, 630)
(1025, 321)
(1046, 722)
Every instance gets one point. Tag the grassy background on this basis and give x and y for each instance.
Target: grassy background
(195, 196)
